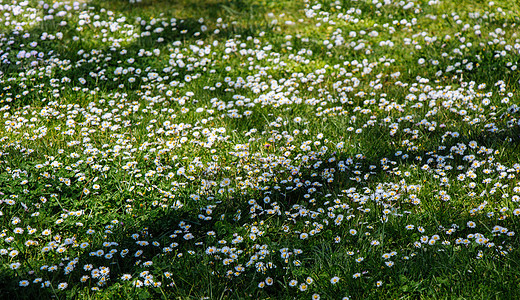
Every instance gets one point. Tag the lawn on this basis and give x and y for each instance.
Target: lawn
(259, 149)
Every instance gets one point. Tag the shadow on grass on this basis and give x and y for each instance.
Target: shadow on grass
(202, 275)
(188, 24)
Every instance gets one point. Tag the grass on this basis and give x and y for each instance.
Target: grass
(256, 149)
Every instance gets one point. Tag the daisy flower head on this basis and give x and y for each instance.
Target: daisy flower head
(24, 283)
(14, 266)
(62, 286)
(225, 182)
(13, 253)
(126, 277)
(269, 281)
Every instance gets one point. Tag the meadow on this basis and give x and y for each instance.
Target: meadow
(259, 149)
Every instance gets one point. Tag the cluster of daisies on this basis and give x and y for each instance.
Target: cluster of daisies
(133, 148)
